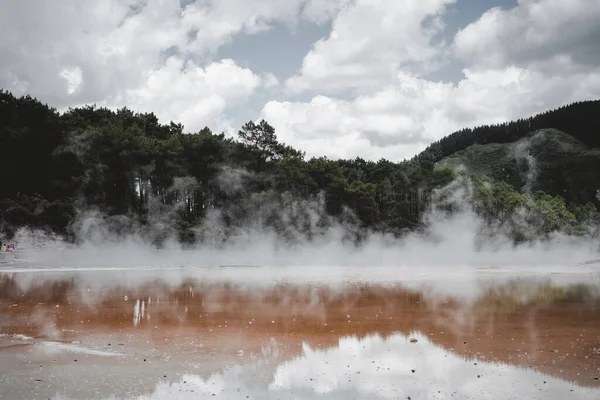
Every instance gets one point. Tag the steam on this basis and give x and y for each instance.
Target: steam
(527, 162)
(232, 180)
(274, 229)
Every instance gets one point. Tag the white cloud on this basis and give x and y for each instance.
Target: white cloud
(193, 95)
(270, 81)
(74, 78)
(519, 62)
(120, 53)
(154, 56)
(401, 119)
(369, 42)
(534, 31)
(115, 42)
(213, 23)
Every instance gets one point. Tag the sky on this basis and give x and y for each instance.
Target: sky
(337, 78)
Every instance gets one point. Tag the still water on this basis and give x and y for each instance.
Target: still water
(260, 333)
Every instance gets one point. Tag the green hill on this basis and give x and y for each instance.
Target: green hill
(547, 160)
(580, 120)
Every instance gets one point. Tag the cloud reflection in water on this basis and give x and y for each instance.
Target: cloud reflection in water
(376, 368)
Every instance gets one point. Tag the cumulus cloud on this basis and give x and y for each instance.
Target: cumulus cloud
(215, 22)
(372, 95)
(518, 62)
(370, 40)
(149, 55)
(188, 93)
(339, 129)
(534, 31)
(401, 119)
(270, 81)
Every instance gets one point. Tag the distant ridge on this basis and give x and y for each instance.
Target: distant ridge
(580, 120)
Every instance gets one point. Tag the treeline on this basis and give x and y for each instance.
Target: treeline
(526, 216)
(580, 120)
(126, 163)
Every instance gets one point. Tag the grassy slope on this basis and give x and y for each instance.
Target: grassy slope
(547, 160)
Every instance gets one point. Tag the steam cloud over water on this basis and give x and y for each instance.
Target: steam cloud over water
(271, 229)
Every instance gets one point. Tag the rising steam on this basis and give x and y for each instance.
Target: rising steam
(280, 230)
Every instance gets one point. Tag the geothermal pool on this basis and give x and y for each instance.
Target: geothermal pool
(300, 333)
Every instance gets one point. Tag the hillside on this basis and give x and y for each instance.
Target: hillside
(581, 120)
(547, 160)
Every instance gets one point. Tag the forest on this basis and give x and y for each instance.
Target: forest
(130, 167)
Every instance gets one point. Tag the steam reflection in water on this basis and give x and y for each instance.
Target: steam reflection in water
(160, 335)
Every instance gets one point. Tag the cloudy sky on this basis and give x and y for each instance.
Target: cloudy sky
(341, 78)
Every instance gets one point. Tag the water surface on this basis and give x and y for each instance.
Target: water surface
(262, 333)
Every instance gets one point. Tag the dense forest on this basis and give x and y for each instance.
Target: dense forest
(579, 120)
(131, 167)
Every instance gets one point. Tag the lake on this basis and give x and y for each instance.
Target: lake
(300, 333)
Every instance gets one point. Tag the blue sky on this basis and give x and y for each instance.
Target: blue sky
(339, 78)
